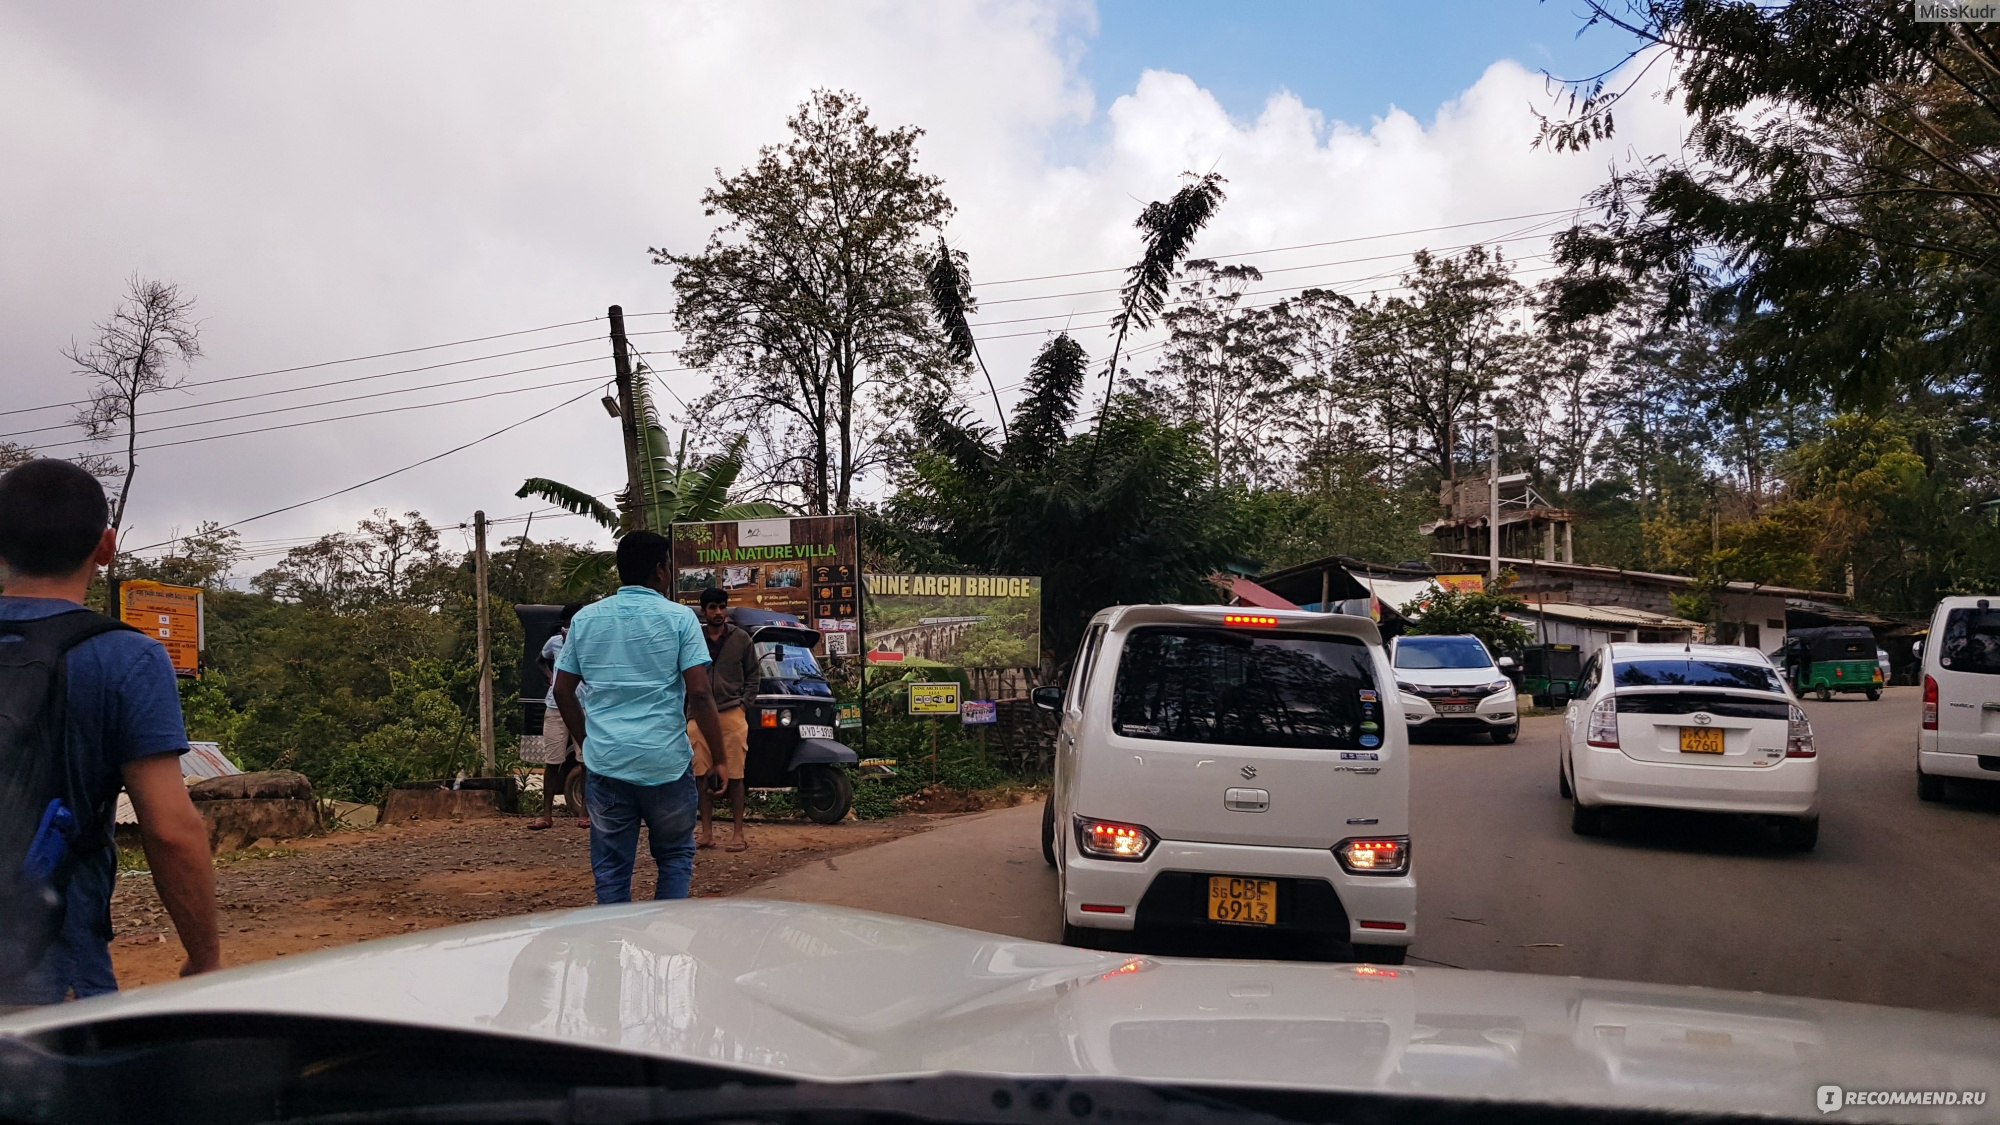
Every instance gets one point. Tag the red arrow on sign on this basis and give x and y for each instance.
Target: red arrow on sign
(885, 657)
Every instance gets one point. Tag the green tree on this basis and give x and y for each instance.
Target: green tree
(670, 491)
(1140, 524)
(1481, 613)
(811, 297)
(1838, 169)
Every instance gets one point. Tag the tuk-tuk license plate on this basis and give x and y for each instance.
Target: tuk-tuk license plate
(1701, 740)
(1456, 707)
(814, 730)
(1243, 902)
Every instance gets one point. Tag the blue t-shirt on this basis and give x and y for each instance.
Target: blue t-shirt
(632, 649)
(123, 705)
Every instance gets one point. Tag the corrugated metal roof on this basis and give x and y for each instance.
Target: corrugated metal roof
(1606, 615)
(202, 761)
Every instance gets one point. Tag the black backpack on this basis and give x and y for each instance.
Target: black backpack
(43, 814)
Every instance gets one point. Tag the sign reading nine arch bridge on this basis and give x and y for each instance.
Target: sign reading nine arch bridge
(954, 620)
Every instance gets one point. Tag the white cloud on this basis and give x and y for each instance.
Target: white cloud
(337, 180)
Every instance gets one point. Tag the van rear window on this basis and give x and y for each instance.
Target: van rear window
(1237, 689)
(1971, 641)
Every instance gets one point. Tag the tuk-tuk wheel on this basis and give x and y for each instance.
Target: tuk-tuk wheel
(573, 791)
(825, 793)
(1874, 694)
(1826, 695)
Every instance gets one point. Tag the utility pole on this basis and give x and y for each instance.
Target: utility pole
(1493, 511)
(486, 756)
(628, 420)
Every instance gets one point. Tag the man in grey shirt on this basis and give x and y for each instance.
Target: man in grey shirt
(736, 678)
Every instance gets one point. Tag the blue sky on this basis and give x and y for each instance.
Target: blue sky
(1349, 59)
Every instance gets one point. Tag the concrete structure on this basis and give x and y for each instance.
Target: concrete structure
(1530, 526)
(1746, 613)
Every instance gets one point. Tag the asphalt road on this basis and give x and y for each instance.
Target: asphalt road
(1898, 904)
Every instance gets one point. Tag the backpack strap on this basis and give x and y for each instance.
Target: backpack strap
(52, 637)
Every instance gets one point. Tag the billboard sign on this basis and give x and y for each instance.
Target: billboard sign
(1462, 583)
(934, 698)
(979, 713)
(171, 615)
(805, 566)
(955, 620)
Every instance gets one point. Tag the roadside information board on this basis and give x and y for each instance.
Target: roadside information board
(934, 699)
(171, 615)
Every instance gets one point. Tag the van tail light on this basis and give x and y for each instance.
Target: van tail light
(1109, 839)
(1799, 736)
(1930, 702)
(1250, 620)
(1374, 855)
(1603, 729)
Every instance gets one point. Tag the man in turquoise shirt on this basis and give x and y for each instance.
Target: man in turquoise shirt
(646, 662)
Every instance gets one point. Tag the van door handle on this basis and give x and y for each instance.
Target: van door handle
(1990, 706)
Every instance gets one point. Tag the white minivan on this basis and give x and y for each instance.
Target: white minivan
(1960, 736)
(1228, 770)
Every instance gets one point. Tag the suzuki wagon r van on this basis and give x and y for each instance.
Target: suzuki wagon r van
(1232, 771)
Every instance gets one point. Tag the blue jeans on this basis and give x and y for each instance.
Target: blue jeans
(79, 961)
(616, 810)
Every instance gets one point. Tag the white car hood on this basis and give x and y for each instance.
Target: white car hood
(816, 992)
(1448, 677)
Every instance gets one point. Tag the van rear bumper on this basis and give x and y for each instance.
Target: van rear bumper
(1958, 765)
(1168, 890)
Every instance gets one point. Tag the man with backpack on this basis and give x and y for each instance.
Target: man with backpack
(87, 706)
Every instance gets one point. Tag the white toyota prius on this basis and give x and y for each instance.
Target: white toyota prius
(1703, 727)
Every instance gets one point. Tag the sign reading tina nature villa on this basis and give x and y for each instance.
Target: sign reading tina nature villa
(171, 615)
(805, 566)
(955, 620)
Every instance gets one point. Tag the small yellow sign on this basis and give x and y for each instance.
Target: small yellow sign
(1462, 583)
(171, 615)
(934, 699)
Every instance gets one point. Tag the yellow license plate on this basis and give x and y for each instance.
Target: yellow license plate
(1243, 902)
(1701, 740)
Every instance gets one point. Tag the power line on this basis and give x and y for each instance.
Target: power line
(393, 472)
(1300, 246)
(334, 362)
(594, 381)
(324, 402)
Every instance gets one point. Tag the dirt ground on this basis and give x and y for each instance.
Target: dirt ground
(352, 886)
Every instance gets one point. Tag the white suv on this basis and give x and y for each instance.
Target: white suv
(1960, 736)
(1228, 770)
(1453, 683)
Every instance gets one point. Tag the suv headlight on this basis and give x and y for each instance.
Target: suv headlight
(1111, 839)
(1374, 855)
(1497, 686)
(1407, 689)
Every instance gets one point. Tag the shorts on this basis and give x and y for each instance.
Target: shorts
(735, 745)
(555, 745)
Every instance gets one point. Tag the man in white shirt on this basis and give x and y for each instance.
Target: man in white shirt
(556, 753)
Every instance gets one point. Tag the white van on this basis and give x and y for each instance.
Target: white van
(1230, 770)
(1960, 736)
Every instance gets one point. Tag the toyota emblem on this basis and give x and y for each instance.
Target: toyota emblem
(1703, 719)
(1249, 772)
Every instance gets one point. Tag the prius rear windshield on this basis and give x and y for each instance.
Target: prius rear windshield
(1971, 641)
(1235, 688)
(1695, 672)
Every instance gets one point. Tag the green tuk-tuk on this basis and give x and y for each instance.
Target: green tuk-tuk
(1549, 673)
(1833, 658)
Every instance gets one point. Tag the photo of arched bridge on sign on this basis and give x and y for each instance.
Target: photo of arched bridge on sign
(954, 620)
